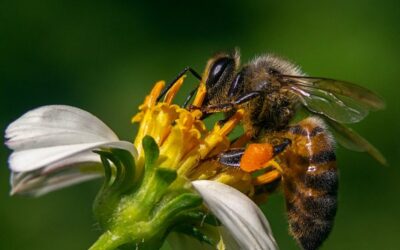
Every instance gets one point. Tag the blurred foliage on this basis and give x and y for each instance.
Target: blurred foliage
(105, 56)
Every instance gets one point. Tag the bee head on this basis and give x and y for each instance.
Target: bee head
(219, 74)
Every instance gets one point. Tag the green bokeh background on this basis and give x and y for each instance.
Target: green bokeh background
(105, 56)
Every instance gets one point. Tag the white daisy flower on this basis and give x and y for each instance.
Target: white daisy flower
(53, 147)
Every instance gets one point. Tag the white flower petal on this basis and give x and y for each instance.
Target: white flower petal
(31, 159)
(55, 125)
(35, 184)
(53, 148)
(241, 216)
(39, 171)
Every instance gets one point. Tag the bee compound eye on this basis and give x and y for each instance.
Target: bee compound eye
(217, 70)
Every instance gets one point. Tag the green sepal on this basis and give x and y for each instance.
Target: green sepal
(154, 186)
(118, 180)
(125, 158)
(151, 152)
(166, 175)
(176, 207)
(106, 200)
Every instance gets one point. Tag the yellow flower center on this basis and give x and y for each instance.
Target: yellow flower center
(184, 141)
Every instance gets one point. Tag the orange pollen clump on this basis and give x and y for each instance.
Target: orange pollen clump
(256, 156)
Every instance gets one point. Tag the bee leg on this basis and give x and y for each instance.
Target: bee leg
(261, 155)
(222, 107)
(189, 97)
(165, 90)
(254, 157)
(231, 158)
(236, 158)
(226, 107)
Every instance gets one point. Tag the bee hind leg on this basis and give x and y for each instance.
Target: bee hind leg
(257, 156)
(231, 157)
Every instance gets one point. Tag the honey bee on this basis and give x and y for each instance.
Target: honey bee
(301, 156)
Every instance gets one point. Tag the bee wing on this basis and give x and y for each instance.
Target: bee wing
(340, 101)
(350, 139)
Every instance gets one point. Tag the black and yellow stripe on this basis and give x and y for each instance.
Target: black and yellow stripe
(310, 181)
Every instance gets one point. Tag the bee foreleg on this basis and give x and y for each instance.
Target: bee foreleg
(165, 90)
(229, 106)
(218, 108)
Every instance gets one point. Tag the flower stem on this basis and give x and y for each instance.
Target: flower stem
(107, 241)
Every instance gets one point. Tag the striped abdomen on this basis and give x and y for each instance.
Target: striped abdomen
(310, 182)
